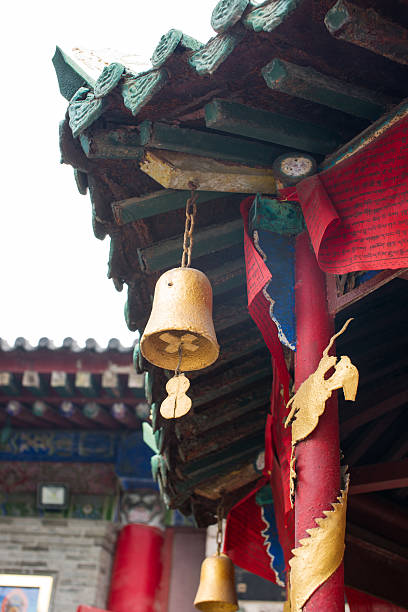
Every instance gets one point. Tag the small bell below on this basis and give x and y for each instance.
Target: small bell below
(216, 592)
(181, 318)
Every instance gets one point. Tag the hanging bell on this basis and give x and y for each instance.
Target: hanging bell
(216, 591)
(180, 332)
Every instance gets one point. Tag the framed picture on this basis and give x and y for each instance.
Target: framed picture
(25, 592)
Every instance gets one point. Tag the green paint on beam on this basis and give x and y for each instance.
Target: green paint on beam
(228, 276)
(157, 203)
(280, 217)
(165, 254)
(270, 127)
(306, 83)
(207, 144)
(120, 143)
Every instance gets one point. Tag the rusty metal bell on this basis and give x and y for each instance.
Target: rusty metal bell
(180, 331)
(216, 591)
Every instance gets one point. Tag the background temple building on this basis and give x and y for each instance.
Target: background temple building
(286, 134)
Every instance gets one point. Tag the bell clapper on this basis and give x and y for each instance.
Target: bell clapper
(177, 403)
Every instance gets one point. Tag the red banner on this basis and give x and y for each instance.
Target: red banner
(249, 539)
(357, 211)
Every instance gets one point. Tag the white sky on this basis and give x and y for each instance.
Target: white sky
(52, 268)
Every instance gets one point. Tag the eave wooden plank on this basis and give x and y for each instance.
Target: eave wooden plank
(175, 170)
(367, 29)
(228, 387)
(274, 216)
(270, 127)
(309, 84)
(207, 144)
(227, 411)
(190, 449)
(379, 477)
(168, 253)
(374, 131)
(157, 203)
(226, 314)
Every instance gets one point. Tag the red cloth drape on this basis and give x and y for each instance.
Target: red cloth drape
(357, 211)
(244, 540)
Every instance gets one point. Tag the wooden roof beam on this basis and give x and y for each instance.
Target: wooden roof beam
(376, 431)
(207, 144)
(309, 84)
(223, 411)
(174, 170)
(167, 253)
(266, 126)
(366, 28)
(230, 275)
(157, 203)
(374, 131)
(116, 143)
(229, 313)
(193, 447)
(373, 412)
(372, 566)
(379, 477)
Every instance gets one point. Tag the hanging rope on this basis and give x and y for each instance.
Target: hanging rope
(191, 209)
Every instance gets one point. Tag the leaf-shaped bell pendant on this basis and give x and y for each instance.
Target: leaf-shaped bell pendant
(180, 323)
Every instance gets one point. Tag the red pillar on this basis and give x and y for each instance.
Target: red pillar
(317, 457)
(137, 570)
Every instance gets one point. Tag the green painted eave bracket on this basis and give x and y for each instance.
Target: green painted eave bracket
(148, 437)
(207, 144)
(264, 496)
(280, 217)
(167, 253)
(266, 126)
(71, 76)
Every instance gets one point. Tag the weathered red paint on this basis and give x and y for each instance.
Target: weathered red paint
(317, 457)
(137, 570)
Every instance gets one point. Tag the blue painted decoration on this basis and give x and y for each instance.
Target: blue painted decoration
(34, 445)
(278, 252)
(133, 463)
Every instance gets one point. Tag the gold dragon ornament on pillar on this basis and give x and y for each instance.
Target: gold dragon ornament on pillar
(320, 554)
(180, 333)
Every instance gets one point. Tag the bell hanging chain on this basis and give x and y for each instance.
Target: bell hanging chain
(219, 528)
(191, 209)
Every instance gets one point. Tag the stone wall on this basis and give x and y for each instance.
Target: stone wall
(78, 553)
